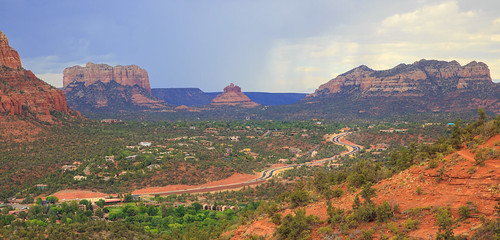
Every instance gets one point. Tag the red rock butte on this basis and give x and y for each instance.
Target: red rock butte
(232, 96)
(408, 80)
(8, 56)
(124, 75)
(21, 92)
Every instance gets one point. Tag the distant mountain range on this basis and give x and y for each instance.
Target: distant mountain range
(194, 97)
(426, 86)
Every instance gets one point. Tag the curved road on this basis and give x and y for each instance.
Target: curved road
(266, 174)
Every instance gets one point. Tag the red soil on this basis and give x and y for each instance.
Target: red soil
(235, 178)
(257, 228)
(457, 187)
(78, 194)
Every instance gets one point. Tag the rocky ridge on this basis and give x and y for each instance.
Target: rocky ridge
(232, 96)
(21, 92)
(430, 85)
(124, 75)
(102, 87)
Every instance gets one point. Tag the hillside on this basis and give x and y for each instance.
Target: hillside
(182, 96)
(27, 104)
(457, 194)
(102, 88)
(424, 86)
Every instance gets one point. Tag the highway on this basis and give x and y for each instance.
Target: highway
(266, 174)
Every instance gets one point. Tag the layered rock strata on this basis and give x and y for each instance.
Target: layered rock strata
(21, 92)
(102, 87)
(426, 85)
(232, 96)
(124, 75)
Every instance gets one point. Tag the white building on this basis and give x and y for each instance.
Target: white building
(145, 144)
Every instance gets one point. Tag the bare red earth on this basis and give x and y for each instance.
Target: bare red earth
(459, 185)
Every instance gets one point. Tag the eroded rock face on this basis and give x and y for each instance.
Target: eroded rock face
(8, 56)
(232, 96)
(97, 87)
(418, 79)
(432, 85)
(21, 92)
(124, 75)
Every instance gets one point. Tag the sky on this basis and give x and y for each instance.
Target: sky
(260, 45)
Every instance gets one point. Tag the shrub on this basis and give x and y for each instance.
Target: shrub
(445, 222)
(433, 164)
(337, 193)
(471, 170)
(419, 190)
(464, 212)
(410, 224)
(298, 198)
(296, 227)
(484, 154)
(384, 212)
(365, 213)
(368, 234)
(276, 219)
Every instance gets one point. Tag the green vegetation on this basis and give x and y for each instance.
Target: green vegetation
(180, 154)
(191, 153)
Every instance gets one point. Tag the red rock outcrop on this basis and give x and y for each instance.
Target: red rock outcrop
(232, 96)
(124, 75)
(102, 87)
(433, 85)
(21, 92)
(8, 56)
(408, 80)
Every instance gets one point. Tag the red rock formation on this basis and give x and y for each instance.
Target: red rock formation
(98, 86)
(21, 92)
(124, 75)
(8, 56)
(408, 80)
(432, 86)
(232, 96)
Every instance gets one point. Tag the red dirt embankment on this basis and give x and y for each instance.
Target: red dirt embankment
(235, 178)
(463, 183)
(73, 194)
(70, 194)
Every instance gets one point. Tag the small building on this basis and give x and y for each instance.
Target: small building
(79, 178)
(68, 168)
(41, 187)
(131, 157)
(153, 166)
(234, 138)
(276, 134)
(111, 121)
(246, 150)
(145, 144)
(206, 143)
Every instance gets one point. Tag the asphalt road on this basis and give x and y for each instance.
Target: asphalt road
(266, 174)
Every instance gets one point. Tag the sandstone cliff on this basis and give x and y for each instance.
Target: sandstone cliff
(232, 96)
(426, 85)
(124, 75)
(8, 56)
(21, 92)
(100, 87)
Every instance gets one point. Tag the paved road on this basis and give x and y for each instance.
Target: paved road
(266, 174)
(355, 148)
